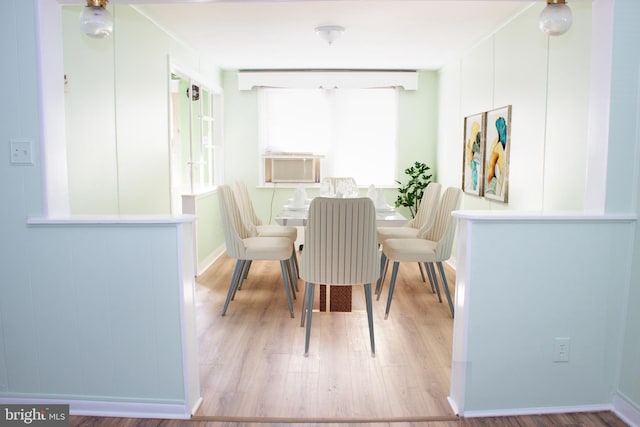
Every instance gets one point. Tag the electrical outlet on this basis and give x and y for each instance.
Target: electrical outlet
(561, 349)
(21, 152)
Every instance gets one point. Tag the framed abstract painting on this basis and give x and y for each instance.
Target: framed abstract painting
(472, 167)
(496, 159)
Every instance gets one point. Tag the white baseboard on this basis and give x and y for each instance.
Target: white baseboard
(619, 406)
(208, 261)
(197, 405)
(536, 411)
(453, 405)
(110, 409)
(451, 262)
(627, 412)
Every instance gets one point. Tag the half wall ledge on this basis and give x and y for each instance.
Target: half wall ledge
(540, 216)
(113, 219)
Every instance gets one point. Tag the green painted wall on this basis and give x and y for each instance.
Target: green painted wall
(418, 124)
(209, 228)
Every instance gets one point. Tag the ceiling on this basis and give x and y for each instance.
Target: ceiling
(379, 34)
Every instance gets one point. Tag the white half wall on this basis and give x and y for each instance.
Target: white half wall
(519, 288)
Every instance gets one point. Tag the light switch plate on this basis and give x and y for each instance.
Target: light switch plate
(21, 152)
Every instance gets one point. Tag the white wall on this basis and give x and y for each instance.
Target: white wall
(117, 120)
(90, 120)
(547, 83)
(118, 114)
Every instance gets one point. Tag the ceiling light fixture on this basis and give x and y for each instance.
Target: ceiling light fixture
(329, 33)
(95, 19)
(555, 18)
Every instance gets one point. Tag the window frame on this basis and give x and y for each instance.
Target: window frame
(265, 155)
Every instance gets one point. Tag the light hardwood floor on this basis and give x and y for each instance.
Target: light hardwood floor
(594, 419)
(253, 372)
(252, 362)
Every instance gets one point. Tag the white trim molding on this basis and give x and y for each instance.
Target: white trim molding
(328, 79)
(627, 412)
(536, 411)
(209, 260)
(111, 409)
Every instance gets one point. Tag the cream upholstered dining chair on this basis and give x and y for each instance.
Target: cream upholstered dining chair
(245, 247)
(340, 249)
(430, 247)
(253, 222)
(420, 223)
(255, 226)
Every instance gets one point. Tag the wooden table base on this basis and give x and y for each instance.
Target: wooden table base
(339, 298)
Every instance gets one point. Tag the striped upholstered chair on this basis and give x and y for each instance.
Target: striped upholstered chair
(245, 247)
(253, 222)
(420, 223)
(257, 228)
(431, 247)
(340, 249)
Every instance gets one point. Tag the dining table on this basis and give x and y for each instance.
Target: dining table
(292, 214)
(297, 216)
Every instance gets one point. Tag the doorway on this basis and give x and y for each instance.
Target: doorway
(195, 136)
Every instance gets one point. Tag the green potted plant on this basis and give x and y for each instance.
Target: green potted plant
(410, 193)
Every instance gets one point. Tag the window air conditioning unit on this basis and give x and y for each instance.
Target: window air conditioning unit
(292, 168)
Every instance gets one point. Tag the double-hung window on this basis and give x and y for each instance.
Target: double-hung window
(336, 132)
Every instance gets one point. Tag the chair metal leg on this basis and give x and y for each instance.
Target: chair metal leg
(392, 286)
(296, 268)
(421, 272)
(287, 285)
(245, 274)
(369, 301)
(446, 286)
(384, 265)
(384, 276)
(246, 264)
(235, 279)
(290, 275)
(435, 279)
(293, 267)
(383, 259)
(433, 287)
(304, 306)
(309, 313)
